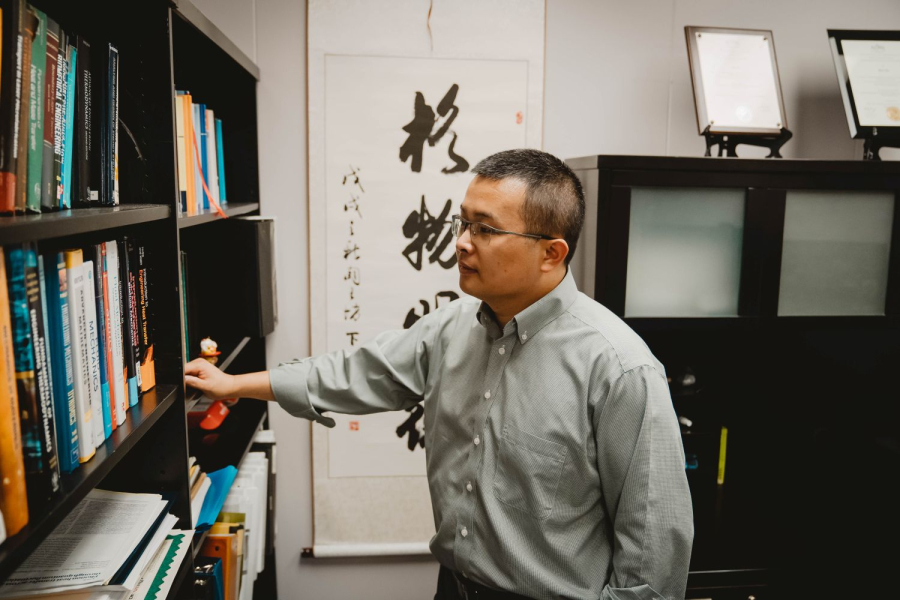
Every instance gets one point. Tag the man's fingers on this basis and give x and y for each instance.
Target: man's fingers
(194, 382)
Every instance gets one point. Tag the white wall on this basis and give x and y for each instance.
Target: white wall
(616, 81)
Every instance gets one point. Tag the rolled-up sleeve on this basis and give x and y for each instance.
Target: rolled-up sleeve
(641, 463)
(384, 374)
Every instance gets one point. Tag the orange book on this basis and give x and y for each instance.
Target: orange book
(13, 499)
(186, 104)
(224, 547)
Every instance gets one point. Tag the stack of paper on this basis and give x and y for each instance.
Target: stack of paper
(112, 546)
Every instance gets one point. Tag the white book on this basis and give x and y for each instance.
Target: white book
(212, 156)
(80, 353)
(115, 328)
(182, 154)
(93, 356)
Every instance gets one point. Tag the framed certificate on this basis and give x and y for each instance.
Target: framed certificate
(868, 71)
(734, 73)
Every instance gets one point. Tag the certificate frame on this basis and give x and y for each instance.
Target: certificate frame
(836, 38)
(700, 108)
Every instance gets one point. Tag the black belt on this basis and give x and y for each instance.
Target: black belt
(471, 590)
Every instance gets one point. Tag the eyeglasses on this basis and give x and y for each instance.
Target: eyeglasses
(481, 231)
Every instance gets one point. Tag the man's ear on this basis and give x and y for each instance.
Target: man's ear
(554, 254)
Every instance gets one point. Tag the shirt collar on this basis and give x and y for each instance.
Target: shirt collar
(531, 320)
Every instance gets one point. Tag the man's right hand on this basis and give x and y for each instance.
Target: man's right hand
(214, 384)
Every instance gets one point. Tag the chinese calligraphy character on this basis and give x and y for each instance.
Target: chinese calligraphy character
(425, 231)
(353, 335)
(351, 251)
(412, 316)
(352, 275)
(353, 205)
(353, 177)
(416, 436)
(351, 313)
(421, 127)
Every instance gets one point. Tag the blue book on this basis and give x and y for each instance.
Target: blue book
(69, 143)
(61, 361)
(198, 183)
(99, 258)
(204, 162)
(221, 160)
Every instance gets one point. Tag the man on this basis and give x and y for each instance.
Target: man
(553, 453)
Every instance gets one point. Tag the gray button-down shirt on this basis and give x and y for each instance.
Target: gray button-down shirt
(554, 456)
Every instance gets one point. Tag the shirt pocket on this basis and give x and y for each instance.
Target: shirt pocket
(528, 472)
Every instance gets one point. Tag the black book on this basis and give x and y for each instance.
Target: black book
(49, 476)
(59, 117)
(126, 286)
(112, 119)
(51, 109)
(148, 376)
(10, 102)
(86, 162)
(134, 276)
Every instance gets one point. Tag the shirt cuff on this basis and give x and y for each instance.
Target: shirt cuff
(288, 381)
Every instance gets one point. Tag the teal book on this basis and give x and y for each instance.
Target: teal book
(36, 114)
(61, 361)
(99, 260)
(221, 160)
(68, 139)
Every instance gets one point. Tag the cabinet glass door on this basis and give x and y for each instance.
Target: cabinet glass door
(684, 252)
(834, 260)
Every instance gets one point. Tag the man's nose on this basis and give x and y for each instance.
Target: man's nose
(464, 242)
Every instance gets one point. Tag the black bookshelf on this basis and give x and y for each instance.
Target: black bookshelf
(163, 46)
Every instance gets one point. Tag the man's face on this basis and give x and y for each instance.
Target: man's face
(498, 267)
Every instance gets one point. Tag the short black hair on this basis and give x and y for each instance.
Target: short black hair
(554, 199)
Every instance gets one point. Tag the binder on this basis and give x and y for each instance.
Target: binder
(224, 547)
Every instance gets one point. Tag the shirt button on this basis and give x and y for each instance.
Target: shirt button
(524, 336)
(502, 351)
(487, 395)
(477, 440)
(464, 532)
(469, 486)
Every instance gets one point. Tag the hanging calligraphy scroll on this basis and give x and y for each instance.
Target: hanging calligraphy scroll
(392, 142)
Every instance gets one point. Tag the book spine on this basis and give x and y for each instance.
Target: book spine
(134, 277)
(61, 362)
(127, 322)
(180, 151)
(51, 78)
(196, 148)
(107, 336)
(114, 124)
(87, 193)
(13, 497)
(190, 163)
(69, 137)
(115, 318)
(147, 368)
(81, 367)
(10, 99)
(59, 118)
(101, 171)
(101, 339)
(212, 157)
(221, 154)
(90, 319)
(50, 462)
(29, 27)
(36, 114)
(204, 155)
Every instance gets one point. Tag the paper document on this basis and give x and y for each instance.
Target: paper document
(89, 546)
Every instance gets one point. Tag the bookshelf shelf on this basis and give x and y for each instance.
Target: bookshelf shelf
(29, 228)
(230, 443)
(231, 209)
(76, 485)
(190, 13)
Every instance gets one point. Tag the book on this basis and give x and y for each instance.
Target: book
(13, 498)
(147, 364)
(86, 192)
(187, 107)
(221, 162)
(93, 356)
(115, 324)
(45, 481)
(99, 257)
(181, 153)
(113, 125)
(10, 100)
(80, 354)
(204, 155)
(36, 113)
(51, 78)
(108, 340)
(199, 196)
(212, 156)
(63, 381)
(66, 168)
(28, 29)
(129, 333)
(59, 117)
